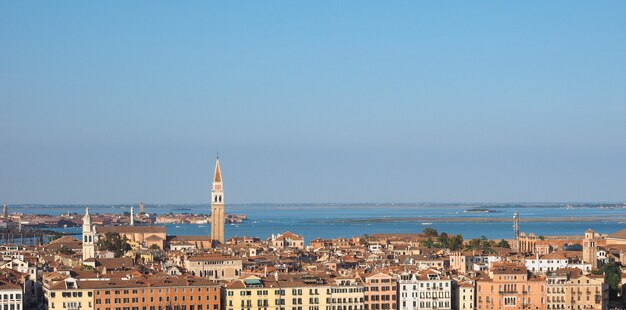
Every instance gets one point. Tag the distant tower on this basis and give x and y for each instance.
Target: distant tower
(590, 249)
(141, 208)
(217, 207)
(132, 216)
(5, 211)
(516, 230)
(89, 247)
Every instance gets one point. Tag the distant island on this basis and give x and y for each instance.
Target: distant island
(480, 210)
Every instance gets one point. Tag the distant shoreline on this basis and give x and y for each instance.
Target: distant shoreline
(482, 219)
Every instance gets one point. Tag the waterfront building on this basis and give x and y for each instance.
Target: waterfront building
(380, 291)
(214, 266)
(89, 242)
(132, 216)
(5, 211)
(142, 209)
(217, 207)
(509, 286)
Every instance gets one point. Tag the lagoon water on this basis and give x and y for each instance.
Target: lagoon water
(347, 220)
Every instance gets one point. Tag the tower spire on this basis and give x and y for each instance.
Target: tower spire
(217, 177)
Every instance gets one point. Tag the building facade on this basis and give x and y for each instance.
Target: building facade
(214, 267)
(380, 291)
(509, 286)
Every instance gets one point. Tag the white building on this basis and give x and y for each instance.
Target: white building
(89, 242)
(11, 297)
(554, 261)
(428, 289)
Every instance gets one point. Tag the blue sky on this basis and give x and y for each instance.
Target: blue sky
(324, 101)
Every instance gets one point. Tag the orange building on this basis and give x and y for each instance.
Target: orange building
(380, 290)
(510, 287)
(156, 292)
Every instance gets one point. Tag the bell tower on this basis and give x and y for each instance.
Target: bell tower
(590, 249)
(217, 207)
(89, 247)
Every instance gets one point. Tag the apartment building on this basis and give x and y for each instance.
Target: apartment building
(116, 292)
(380, 291)
(510, 286)
(426, 289)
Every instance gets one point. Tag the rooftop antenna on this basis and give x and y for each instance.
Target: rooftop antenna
(516, 230)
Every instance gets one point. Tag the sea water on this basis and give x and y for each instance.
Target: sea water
(347, 220)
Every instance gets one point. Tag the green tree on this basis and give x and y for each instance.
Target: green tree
(542, 238)
(428, 242)
(443, 240)
(612, 276)
(474, 243)
(456, 242)
(115, 243)
(503, 244)
(430, 232)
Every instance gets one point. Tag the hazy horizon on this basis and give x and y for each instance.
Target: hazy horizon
(332, 101)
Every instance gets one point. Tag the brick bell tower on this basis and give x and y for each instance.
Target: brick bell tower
(217, 207)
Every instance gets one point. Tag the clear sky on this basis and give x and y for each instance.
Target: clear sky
(312, 101)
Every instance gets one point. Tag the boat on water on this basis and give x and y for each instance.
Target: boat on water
(427, 223)
(479, 210)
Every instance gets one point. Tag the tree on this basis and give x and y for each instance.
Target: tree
(542, 238)
(66, 251)
(503, 244)
(474, 243)
(428, 243)
(455, 242)
(430, 232)
(155, 247)
(612, 276)
(115, 243)
(443, 240)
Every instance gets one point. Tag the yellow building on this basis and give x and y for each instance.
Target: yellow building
(465, 295)
(568, 288)
(68, 296)
(250, 293)
(291, 293)
(586, 292)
